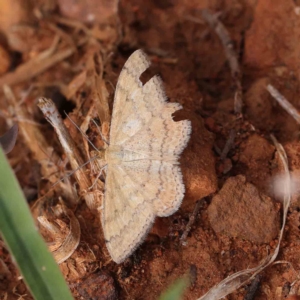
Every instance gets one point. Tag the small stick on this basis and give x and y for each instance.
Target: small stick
(284, 103)
(228, 144)
(51, 114)
(231, 56)
(199, 204)
(34, 67)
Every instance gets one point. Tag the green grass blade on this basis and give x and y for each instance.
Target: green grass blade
(175, 292)
(39, 269)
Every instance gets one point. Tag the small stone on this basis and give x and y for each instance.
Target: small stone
(239, 210)
(98, 286)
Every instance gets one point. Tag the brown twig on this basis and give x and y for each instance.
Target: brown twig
(284, 103)
(191, 221)
(229, 143)
(231, 56)
(34, 67)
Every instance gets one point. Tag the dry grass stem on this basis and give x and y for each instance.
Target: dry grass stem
(76, 83)
(284, 103)
(34, 67)
(72, 23)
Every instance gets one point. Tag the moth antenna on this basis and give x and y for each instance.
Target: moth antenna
(84, 135)
(102, 137)
(70, 174)
(98, 176)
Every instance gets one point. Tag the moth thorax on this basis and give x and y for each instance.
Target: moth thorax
(114, 154)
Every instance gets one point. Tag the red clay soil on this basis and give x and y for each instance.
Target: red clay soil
(240, 215)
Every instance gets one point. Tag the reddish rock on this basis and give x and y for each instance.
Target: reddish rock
(98, 286)
(239, 210)
(198, 163)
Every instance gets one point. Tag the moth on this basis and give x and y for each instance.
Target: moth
(143, 177)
